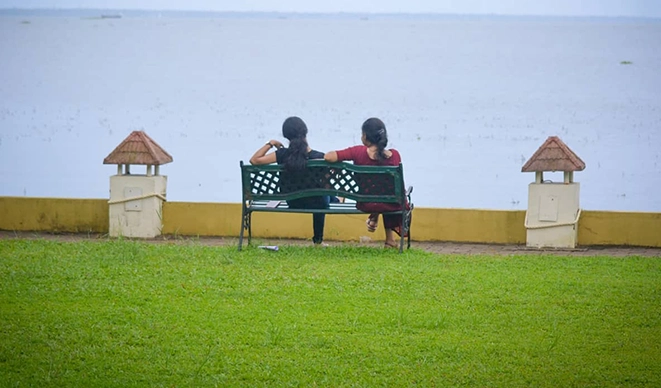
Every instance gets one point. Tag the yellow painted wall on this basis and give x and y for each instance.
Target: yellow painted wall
(54, 214)
(469, 225)
(224, 219)
(466, 225)
(619, 228)
(201, 218)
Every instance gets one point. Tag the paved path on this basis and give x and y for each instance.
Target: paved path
(436, 247)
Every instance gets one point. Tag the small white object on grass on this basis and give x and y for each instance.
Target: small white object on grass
(269, 247)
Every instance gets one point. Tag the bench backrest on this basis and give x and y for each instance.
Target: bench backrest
(360, 183)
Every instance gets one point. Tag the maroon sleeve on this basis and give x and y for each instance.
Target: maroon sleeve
(396, 157)
(346, 154)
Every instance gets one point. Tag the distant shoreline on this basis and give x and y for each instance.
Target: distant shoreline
(136, 13)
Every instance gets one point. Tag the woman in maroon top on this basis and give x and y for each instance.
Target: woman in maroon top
(373, 152)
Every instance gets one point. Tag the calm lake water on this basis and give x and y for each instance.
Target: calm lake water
(466, 100)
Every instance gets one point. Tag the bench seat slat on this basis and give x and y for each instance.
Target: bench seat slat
(333, 208)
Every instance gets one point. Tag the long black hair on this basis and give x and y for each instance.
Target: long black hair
(375, 133)
(295, 130)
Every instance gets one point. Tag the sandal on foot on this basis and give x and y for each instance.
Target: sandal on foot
(398, 230)
(390, 245)
(372, 224)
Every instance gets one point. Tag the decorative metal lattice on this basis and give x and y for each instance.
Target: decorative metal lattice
(265, 182)
(319, 178)
(375, 184)
(343, 180)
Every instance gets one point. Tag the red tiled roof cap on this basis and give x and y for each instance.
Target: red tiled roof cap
(553, 155)
(138, 148)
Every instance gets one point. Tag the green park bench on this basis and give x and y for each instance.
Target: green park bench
(266, 188)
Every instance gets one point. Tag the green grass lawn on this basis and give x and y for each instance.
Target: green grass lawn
(122, 313)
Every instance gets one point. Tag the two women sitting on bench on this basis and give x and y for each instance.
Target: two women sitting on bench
(372, 152)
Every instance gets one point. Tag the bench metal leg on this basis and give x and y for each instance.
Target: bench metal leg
(249, 218)
(245, 224)
(407, 214)
(243, 227)
(406, 229)
(403, 231)
(409, 218)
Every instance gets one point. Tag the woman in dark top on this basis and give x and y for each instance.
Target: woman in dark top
(294, 159)
(373, 152)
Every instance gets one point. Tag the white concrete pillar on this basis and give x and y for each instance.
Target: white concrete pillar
(136, 205)
(552, 216)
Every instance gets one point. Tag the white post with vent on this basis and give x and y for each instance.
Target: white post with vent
(553, 207)
(136, 200)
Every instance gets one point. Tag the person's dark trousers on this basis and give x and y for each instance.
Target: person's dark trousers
(318, 219)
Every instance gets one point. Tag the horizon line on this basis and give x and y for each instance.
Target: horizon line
(346, 13)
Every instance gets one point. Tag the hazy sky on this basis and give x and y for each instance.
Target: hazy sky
(641, 8)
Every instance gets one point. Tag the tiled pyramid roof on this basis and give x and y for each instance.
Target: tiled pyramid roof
(138, 148)
(553, 155)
